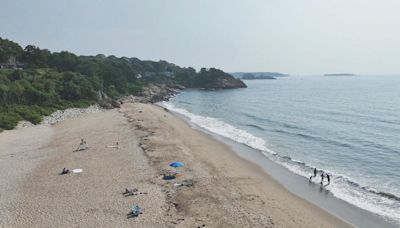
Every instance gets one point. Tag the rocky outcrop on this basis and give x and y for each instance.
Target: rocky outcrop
(216, 79)
(24, 124)
(155, 93)
(106, 102)
(61, 115)
(152, 93)
(227, 83)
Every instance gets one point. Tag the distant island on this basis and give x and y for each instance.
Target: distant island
(35, 82)
(249, 76)
(257, 75)
(341, 74)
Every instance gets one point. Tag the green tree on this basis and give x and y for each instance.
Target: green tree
(9, 49)
(36, 56)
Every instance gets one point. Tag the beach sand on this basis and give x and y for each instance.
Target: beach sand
(226, 190)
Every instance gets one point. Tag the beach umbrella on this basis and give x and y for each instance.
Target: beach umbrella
(176, 164)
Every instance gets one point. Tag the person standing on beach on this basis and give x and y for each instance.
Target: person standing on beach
(315, 173)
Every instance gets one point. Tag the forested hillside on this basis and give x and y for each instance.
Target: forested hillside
(35, 82)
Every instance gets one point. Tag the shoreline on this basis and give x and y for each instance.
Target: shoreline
(226, 189)
(256, 170)
(299, 185)
(308, 191)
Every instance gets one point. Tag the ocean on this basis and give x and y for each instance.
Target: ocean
(348, 127)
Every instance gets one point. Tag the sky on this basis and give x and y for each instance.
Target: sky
(288, 36)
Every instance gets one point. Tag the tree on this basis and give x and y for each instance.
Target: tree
(36, 56)
(16, 91)
(3, 93)
(64, 61)
(61, 79)
(9, 50)
(15, 75)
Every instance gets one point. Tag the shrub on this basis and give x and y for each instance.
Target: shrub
(28, 113)
(44, 111)
(9, 120)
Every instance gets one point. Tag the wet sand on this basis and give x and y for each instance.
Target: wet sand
(226, 190)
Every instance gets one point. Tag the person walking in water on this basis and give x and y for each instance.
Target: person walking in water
(322, 177)
(315, 173)
(328, 178)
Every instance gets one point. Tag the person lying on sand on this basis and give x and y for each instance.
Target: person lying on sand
(130, 190)
(136, 193)
(64, 171)
(116, 146)
(133, 192)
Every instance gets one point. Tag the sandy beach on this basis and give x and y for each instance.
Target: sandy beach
(224, 190)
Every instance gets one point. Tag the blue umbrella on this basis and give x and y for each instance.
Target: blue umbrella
(176, 164)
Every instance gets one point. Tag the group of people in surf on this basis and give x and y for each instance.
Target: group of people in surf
(323, 175)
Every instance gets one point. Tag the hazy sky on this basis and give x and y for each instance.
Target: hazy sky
(290, 36)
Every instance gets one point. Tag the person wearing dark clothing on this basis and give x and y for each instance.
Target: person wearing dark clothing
(64, 171)
(322, 178)
(315, 173)
(328, 178)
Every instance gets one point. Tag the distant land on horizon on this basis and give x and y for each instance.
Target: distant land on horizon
(341, 74)
(257, 75)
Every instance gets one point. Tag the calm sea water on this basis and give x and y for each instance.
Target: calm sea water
(348, 127)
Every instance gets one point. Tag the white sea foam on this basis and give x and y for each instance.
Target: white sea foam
(340, 187)
(221, 128)
(386, 207)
